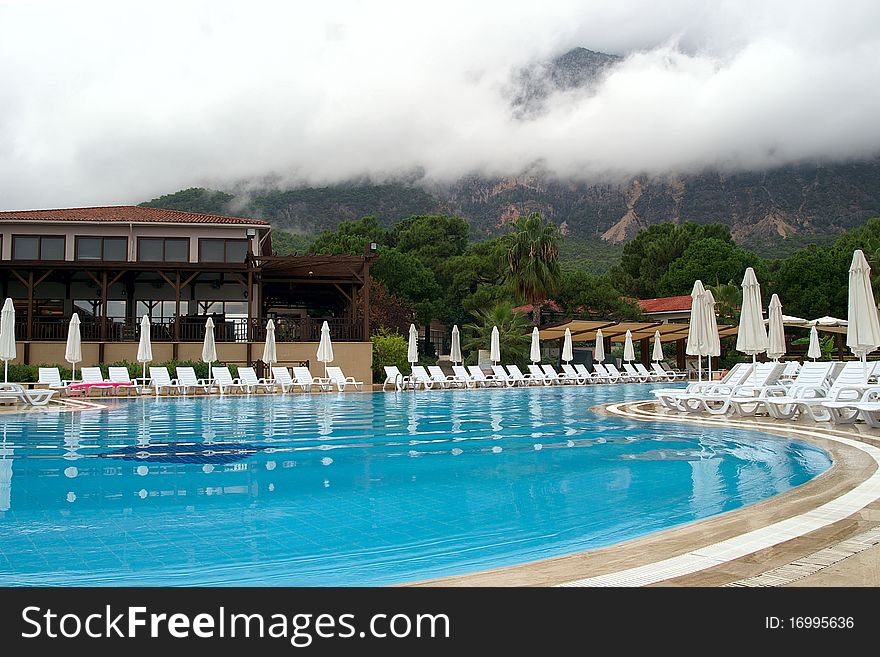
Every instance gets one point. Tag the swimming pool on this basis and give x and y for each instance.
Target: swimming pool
(358, 489)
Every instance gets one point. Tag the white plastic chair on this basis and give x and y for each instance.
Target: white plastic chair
(338, 378)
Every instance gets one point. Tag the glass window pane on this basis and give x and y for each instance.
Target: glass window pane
(25, 248)
(236, 308)
(236, 250)
(176, 250)
(212, 250)
(116, 309)
(115, 249)
(88, 248)
(150, 249)
(52, 248)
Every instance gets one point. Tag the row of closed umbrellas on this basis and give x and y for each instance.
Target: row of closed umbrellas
(73, 349)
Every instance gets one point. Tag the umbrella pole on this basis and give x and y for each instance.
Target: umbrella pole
(6, 371)
(709, 364)
(865, 367)
(755, 368)
(699, 367)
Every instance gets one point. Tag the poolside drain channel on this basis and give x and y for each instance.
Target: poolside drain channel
(813, 563)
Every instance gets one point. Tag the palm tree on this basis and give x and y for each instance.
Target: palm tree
(533, 260)
(513, 330)
(728, 301)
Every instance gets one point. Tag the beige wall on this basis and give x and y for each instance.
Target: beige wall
(120, 229)
(355, 358)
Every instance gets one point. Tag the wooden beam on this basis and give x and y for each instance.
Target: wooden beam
(177, 287)
(43, 277)
(342, 292)
(103, 308)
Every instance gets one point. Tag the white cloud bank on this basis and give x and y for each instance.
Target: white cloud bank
(118, 102)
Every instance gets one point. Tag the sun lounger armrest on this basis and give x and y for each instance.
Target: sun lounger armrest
(850, 393)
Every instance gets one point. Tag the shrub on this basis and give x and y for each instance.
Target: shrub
(389, 348)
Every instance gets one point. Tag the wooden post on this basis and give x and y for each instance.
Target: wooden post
(177, 306)
(365, 290)
(645, 352)
(30, 306)
(680, 355)
(103, 309)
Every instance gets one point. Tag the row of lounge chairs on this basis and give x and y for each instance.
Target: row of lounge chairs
(186, 381)
(842, 393)
(473, 376)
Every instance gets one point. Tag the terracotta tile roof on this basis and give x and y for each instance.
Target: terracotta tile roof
(666, 304)
(125, 213)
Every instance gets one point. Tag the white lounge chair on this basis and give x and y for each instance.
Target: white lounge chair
(338, 378)
(650, 376)
(444, 380)
(844, 396)
(251, 382)
(592, 377)
(554, 376)
(465, 376)
(223, 380)
(161, 380)
(604, 371)
(419, 377)
(481, 378)
(393, 376)
(281, 376)
(501, 374)
(520, 379)
(574, 376)
(779, 401)
(619, 376)
(677, 373)
(17, 392)
(869, 407)
(187, 380)
(635, 375)
(51, 376)
(664, 374)
(722, 398)
(538, 375)
(672, 398)
(303, 378)
(122, 379)
(843, 384)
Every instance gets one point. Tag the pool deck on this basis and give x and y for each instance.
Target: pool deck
(843, 551)
(838, 552)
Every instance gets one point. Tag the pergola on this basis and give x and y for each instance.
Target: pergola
(585, 331)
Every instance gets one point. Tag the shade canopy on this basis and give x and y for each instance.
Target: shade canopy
(270, 351)
(863, 330)
(658, 347)
(697, 340)
(535, 350)
(209, 348)
(412, 350)
(776, 332)
(585, 330)
(567, 349)
(455, 350)
(815, 350)
(495, 346)
(325, 346)
(828, 324)
(752, 336)
(629, 353)
(713, 337)
(7, 336)
(599, 352)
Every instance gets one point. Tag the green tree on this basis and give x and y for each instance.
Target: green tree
(389, 348)
(653, 250)
(472, 281)
(710, 260)
(513, 332)
(405, 276)
(812, 282)
(194, 199)
(285, 242)
(533, 260)
(583, 293)
(431, 238)
(728, 302)
(350, 237)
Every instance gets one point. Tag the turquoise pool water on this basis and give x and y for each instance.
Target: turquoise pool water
(358, 489)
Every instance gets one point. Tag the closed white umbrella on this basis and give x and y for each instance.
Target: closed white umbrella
(697, 343)
(815, 350)
(658, 347)
(495, 346)
(7, 336)
(73, 351)
(535, 351)
(209, 348)
(270, 353)
(751, 338)
(567, 349)
(629, 353)
(775, 330)
(325, 347)
(412, 351)
(599, 351)
(455, 351)
(863, 325)
(713, 341)
(145, 347)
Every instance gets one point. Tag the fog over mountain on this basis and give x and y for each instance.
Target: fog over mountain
(107, 102)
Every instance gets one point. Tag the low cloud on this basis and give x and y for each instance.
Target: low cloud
(112, 103)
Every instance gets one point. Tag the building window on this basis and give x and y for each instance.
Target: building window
(37, 247)
(220, 250)
(158, 249)
(112, 249)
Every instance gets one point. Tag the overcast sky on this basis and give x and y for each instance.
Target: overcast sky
(117, 102)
